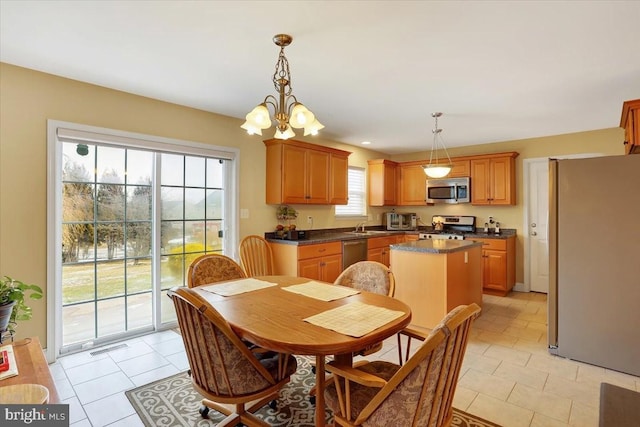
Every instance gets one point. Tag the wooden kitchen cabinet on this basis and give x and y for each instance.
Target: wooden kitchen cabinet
(498, 265)
(382, 182)
(460, 169)
(630, 122)
(303, 173)
(378, 248)
(412, 186)
(493, 179)
(322, 261)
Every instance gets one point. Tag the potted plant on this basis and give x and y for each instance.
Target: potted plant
(12, 302)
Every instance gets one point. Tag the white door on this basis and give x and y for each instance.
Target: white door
(537, 213)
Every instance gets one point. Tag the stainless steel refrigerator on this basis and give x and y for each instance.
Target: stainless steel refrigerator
(594, 248)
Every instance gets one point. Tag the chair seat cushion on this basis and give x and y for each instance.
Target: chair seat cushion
(360, 395)
(270, 361)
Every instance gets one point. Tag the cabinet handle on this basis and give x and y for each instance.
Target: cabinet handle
(321, 250)
(322, 264)
(625, 143)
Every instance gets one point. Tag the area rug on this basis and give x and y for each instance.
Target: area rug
(172, 402)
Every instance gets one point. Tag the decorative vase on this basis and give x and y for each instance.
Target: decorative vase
(5, 315)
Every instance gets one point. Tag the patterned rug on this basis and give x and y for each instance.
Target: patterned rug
(172, 402)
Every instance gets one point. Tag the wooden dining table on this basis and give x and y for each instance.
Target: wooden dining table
(274, 319)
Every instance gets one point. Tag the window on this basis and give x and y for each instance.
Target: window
(357, 194)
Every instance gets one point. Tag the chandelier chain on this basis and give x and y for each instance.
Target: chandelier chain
(282, 73)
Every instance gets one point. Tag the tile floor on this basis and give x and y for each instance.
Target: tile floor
(508, 376)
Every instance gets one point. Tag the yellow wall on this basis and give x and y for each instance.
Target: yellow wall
(28, 98)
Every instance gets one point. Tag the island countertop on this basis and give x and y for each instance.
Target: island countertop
(436, 246)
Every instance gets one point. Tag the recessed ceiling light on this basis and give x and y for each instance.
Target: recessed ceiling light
(366, 142)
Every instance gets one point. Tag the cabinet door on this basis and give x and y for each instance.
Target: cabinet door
(339, 191)
(495, 270)
(480, 181)
(413, 186)
(330, 268)
(460, 169)
(375, 255)
(294, 170)
(317, 177)
(310, 268)
(500, 179)
(381, 180)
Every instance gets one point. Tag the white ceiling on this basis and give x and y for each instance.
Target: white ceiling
(369, 70)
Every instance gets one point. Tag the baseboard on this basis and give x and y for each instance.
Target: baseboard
(521, 287)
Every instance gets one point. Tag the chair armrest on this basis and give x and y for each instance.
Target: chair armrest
(354, 374)
(413, 333)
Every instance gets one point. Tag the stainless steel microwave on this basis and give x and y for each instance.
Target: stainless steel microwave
(449, 190)
(400, 221)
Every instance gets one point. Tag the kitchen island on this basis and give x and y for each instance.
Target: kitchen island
(435, 276)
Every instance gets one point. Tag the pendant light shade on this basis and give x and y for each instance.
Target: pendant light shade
(437, 168)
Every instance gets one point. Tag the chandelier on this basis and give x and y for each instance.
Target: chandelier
(435, 169)
(287, 111)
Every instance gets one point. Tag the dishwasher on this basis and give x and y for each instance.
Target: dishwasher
(353, 251)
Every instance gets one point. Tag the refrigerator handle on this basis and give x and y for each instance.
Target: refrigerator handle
(552, 299)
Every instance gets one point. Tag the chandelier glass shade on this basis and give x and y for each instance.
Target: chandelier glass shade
(437, 168)
(288, 113)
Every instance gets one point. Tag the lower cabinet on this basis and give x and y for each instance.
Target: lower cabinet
(321, 261)
(498, 265)
(378, 248)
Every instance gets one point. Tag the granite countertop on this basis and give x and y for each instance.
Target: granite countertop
(436, 246)
(332, 235)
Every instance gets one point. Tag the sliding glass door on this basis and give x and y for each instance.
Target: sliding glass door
(132, 220)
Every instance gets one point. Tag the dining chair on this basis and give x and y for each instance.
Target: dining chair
(232, 380)
(369, 276)
(256, 256)
(418, 393)
(211, 268)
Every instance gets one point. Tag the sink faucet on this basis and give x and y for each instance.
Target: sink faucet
(361, 226)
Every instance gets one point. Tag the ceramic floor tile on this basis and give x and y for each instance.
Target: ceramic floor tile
(542, 327)
(180, 361)
(133, 349)
(487, 384)
(524, 333)
(522, 375)
(131, 421)
(92, 370)
(474, 345)
(549, 404)
(169, 346)
(140, 364)
(463, 398)
(505, 311)
(587, 393)
(588, 372)
(496, 338)
(511, 355)
(82, 423)
(554, 365)
(64, 388)
(77, 359)
(160, 337)
(108, 410)
(500, 412)
(539, 317)
(487, 325)
(480, 362)
(154, 375)
(540, 420)
(99, 388)
(76, 412)
(584, 416)
(57, 371)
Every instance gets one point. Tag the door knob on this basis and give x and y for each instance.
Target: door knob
(533, 233)
(533, 225)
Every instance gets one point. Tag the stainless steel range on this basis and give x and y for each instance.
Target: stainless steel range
(451, 227)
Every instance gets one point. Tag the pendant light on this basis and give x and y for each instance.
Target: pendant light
(435, 168)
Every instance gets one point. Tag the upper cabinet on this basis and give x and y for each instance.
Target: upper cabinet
(630, 122)
(412, 187)
(493, 179)
(382, 182)
(303, 173)
(460, 168)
